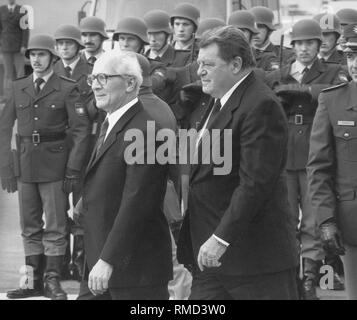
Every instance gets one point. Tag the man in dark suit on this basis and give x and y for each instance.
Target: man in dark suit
(237, 232)
(14, 36)
(126, 234)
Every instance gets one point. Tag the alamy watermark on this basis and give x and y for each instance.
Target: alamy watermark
(27, 21)
(188, 147)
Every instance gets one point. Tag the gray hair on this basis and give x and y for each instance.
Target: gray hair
(122, 62)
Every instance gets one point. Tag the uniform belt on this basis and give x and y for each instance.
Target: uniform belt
(300, 119)
(37, 138)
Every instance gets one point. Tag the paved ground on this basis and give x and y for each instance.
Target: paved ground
(11, 252)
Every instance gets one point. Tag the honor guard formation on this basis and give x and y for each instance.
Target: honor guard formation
(152, 231)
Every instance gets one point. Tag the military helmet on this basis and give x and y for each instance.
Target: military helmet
(329, 23)
(186, 11)
(350, 34)
(265, 16)
(93, 25)
(41, 42)
(131, 25)
(158, 21)
(347, 16)
(306, 29)
(209, 24)
(145, 68)
(243, 19)
(69, 32)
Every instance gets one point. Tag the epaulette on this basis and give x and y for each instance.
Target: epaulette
(335, 87)
(20, 78)
(68, 79)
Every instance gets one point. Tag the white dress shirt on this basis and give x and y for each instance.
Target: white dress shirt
(72, 65)
(11, 7)
(114, 117)
(45, 79)
(153, 55)
(297, 70)
(98, 55)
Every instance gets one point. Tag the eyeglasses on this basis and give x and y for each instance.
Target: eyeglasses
(102, 78)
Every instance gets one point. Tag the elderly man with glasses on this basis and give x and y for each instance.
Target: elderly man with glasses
(126, 235)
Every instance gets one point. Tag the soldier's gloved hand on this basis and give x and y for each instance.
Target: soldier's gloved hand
(71, 181)
(8, 179)
(331, 238)
(293, 90)
(190, 94)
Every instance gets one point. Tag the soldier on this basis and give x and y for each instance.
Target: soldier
(264, 18)
(331, 33)
(158, 33)
(332, 167)
(73, 65)
(184, 21)
(245, 21)
(347, 16)
(93, 37)
(299, 85)
(45, 105)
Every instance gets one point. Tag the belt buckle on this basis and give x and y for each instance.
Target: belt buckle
(299, 119)
(36, 138)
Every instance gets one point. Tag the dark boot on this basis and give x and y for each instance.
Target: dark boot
(336, 263)
(33, 287)
(78, 257)
(66, 266)
(53, 289)
(310, 279)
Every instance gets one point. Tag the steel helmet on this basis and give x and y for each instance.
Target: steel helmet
(209, 24)
(93, 25)
(41, 42)
(265, 16)
(69, 32)
(350, 34)
(243, 19)
(145, 68)
(329, 23)
(158, 21)
(306, 29)
(186, 11)
(131, 25)
(347, 16)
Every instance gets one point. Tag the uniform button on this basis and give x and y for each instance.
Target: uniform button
(36, 119)
(346, 135)
(35, 132)
(35, 106)
(203, 104)
(301, 132)
(300, 106)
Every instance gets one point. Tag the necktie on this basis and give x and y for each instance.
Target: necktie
(101, 139)
(92, 59)
(68, 70)
(215, 111)
(304, 73)
(38, 83)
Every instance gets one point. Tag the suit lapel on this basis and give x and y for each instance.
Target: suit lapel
(315, 71)
(224, 117)
(169, 56)
(29, 87)
(112, 137)
(80, 69)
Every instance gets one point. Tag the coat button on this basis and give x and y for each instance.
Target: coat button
(300, 106)
(301, 132)
(36, 119)
(346, 135)
(35, 106)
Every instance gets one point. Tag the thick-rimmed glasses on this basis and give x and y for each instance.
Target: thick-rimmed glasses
(102, 78)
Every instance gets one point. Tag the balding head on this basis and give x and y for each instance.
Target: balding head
(122, 80)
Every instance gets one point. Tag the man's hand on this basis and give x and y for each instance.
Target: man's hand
(210, 253)
(99, 277)
(331, 238)
(71, 181)
(8, 179)
(23, 50)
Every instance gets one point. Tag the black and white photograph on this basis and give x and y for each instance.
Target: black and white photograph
(188, 151)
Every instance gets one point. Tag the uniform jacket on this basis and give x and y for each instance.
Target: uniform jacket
(265, 60)
(288, 54)
(319, 77)
(332, 167)
(337, 57)
(56, 108)
(173, 58)
(248, 207)
(123, 218)
(12, 36)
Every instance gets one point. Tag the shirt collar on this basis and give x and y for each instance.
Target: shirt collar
(153, 55)
(11, 7)
(72, 65)
(45, 78)
(226, 97)
(188, 46)
(114, 117)
(298, 67)
(98, 55)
